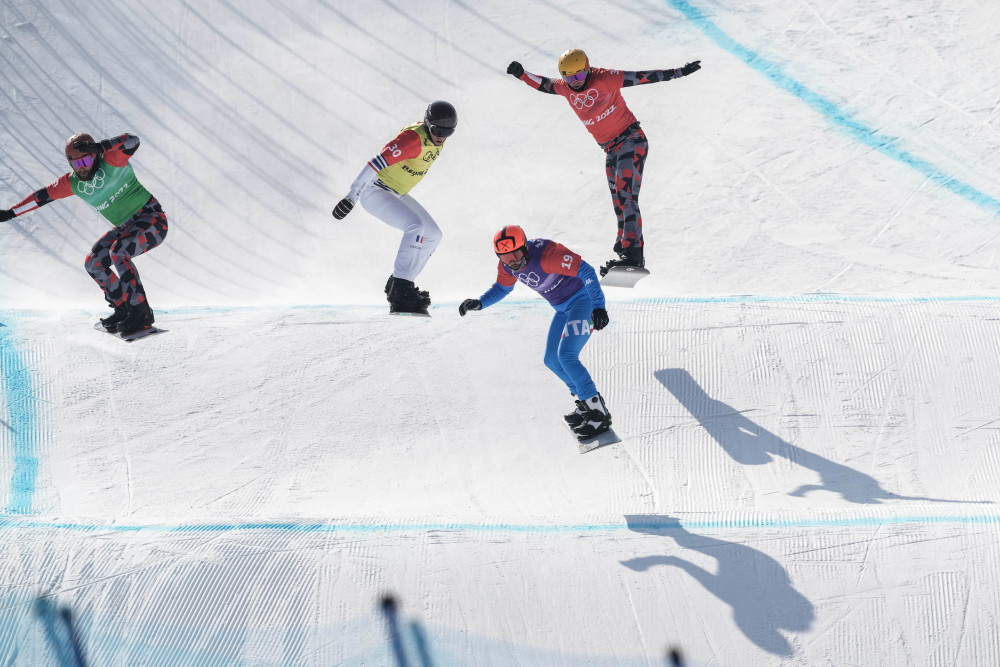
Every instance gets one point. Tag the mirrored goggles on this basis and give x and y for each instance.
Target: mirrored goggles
(576, 78)
(442, 132)
(515, 258)
(86, 162)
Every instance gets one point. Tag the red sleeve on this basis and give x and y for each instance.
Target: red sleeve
(557, 258)
(406, 145)
(61, 188)
(116, 157)
(504, 277)
(541, 83)
(58, 190)
(121, 149)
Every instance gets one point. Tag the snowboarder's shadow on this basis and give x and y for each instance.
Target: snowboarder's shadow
(750, 444)
(753, 584)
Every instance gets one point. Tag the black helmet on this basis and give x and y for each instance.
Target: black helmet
(440, 119)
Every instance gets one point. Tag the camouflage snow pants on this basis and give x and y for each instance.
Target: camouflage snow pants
(142, 232)
(626, 156)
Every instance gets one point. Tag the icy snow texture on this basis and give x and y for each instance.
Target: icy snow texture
(806, 383)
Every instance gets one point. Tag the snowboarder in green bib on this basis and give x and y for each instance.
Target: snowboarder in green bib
(102, 176)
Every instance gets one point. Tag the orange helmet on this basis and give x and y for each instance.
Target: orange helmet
(511, 246)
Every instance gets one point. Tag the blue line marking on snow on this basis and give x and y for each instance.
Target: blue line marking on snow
(816, 298)
(868, 136)
(543, 306)
(654, 523)
(16, 381)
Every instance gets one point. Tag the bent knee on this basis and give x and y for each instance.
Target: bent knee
(568, 357)
(552, 362)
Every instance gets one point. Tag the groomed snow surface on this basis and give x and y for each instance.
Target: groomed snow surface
(806, 385)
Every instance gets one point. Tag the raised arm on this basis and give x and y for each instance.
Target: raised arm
(119, 150)
(657, 75)
(539, 83)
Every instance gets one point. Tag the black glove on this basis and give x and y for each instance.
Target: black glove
(515, 69)
(599, 318)
(92, 147)
(469, 304)
(342, 208)
(691, 68)
(6, 215)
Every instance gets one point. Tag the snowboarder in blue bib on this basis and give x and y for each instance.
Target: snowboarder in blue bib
(570, 286)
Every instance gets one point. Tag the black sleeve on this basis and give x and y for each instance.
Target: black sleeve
(650, 76)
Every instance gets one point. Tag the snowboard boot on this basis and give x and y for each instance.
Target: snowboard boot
(405, 297)
(596, 420)
(111, 322)
(138, 318)
(576, 417)
(630, 256)
(424, 294)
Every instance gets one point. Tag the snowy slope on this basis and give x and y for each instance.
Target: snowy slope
(806, 383)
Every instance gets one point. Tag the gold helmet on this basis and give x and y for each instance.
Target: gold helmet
(573, 62)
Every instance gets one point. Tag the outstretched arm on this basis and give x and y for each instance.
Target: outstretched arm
(540, 83)
(494, 294)
(656, 75)
(58, 190)
(501, 288)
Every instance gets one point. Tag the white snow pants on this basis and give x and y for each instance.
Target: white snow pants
(421, 234)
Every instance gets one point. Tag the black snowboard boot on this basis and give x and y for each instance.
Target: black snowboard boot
(111, 322)
(576, 417)
(630, 256)
(139, 317)
(405, 297)
(596, 420)
(423, 293)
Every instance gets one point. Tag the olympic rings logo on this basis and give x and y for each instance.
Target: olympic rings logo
(529, 279)
(584, 100)
(96, 183)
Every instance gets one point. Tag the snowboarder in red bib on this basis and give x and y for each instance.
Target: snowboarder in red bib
(102, 176)
(383, 188)
(570, 286)
(594, 94)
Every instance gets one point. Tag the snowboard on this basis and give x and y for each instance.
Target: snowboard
(141, 333)
(609, 437)
(410, 314)
(624, 276)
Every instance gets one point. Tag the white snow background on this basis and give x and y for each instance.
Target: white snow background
(806, 385)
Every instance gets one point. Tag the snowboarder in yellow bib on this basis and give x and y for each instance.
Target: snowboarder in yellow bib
(383, 188)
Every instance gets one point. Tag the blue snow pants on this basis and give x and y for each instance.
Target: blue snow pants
(569, 332)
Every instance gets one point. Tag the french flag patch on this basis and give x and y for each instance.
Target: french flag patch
(420, 239)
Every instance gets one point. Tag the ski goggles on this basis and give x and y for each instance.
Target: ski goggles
(86, 162)
(576, 78)
(514, 260)
(439, 131)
